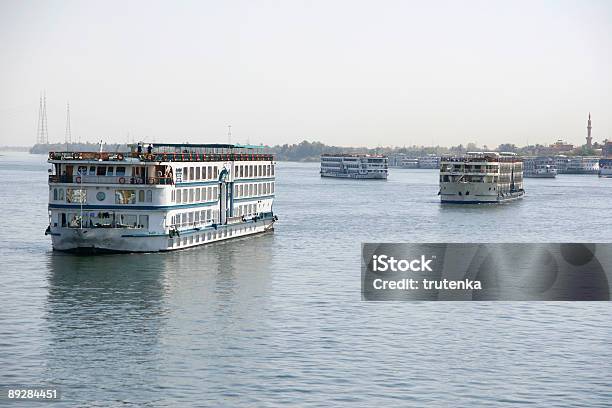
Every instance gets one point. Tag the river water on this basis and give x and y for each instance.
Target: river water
(278, 318)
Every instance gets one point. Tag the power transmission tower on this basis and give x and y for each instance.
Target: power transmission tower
(68, 129)
(39, 126)
(44, 137)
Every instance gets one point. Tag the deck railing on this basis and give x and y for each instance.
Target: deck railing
(110, 180)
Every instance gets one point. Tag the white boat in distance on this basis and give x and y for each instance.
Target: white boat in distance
(539, 167)
(354, 166)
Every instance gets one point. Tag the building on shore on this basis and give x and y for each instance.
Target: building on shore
(560, 147)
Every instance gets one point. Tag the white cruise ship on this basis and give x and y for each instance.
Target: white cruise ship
(539, 167)
(481, 177)
(355, 166)
(159, 198)
(583, 165)
(605, 167)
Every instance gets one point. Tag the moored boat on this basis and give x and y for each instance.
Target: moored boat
(539, 167)
(605, 167)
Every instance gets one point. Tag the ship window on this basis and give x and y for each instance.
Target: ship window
(82, 170)
(55, 194)
(141, 196)
(191, 176)
(191, 195)
(76, 195)
(185, 195)
(61, 194)
(272, 169)
(125, 196)
(236, 191)
(143, 220)
(129, 220)
(197, 174)
(196, 218)
(272, 187)
(216, 170)
(92, 170)
(197, 194)
(178, 196)
(149, 196)
(209, 173)
(120, 171)
(190, 218)
(110, 171)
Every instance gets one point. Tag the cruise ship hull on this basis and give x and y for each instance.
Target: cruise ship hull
(475, 193)
(374, 176)
(544, 175)
(112, 240)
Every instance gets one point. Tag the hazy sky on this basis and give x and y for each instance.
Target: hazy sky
(341, 72)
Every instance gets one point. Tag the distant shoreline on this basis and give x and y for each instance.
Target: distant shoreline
(311, 151)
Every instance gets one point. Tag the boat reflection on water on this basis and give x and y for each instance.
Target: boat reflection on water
(113, 316)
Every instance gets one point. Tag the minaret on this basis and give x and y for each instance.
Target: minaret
(589, 139)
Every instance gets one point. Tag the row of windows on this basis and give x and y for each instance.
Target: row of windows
(197, 173)
(208, 236)
(102, 220)
(194, 218)
(101, 171)
(194, 195)
(79, 195)
(254, 170)
(204, 217)
(129, 196)
(253, 189)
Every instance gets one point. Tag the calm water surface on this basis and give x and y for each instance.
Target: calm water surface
(277, 319)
